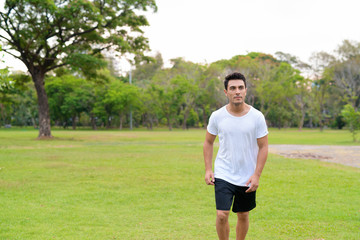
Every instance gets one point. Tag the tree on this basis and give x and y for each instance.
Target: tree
(69, 96)
(294, 61)
(209, 95)
(143, 78)
(144, 72)
(46, 35)
(185, 82)
(119, 98)
(347, 76)
(167, 102)
(24, 111)
(6, 87)
(344, 70)
(300, 98)
(321, 88)
(352, 119)
(185, 91)
(150, 106)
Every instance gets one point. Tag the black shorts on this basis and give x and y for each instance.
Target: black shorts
(225, 193)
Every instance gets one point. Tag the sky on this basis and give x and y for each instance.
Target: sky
(204, 31)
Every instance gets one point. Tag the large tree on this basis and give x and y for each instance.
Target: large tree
(342, 69)
(46, 35)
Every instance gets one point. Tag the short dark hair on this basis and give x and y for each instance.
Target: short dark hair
(234, 76)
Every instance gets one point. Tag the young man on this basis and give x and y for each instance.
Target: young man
(241, 157)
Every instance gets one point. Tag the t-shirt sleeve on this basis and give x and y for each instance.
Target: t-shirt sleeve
(261, 127)
(212, 126)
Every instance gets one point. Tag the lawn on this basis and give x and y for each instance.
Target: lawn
(312, 137)
(149, 185)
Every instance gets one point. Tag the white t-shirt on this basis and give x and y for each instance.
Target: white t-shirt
(237, 156)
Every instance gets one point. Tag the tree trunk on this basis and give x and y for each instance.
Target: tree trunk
(151, 123)
(2, 114)
(144, 120)
(186, 116)
(93, 123)
(204, 118)
(33, 122)
(169, 122)
(121, 121)
(321, 121)
(44, 115)
(301, 123)
(74, 122)
(108, 122)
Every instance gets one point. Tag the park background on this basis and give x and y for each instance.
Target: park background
(135, 179)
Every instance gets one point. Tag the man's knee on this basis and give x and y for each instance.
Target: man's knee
(243, 216)
(222, 216)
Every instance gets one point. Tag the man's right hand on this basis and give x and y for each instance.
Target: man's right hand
(209, 178)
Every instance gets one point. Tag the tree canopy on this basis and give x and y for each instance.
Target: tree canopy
(46, 35)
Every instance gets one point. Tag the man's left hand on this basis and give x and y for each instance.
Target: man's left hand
(253, 182)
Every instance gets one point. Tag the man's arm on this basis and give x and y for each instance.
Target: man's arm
(261, 160)
(208, 154)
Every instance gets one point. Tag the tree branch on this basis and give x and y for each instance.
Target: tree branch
(56, 66)
(5, 50)
(81, 33)
(8, 40)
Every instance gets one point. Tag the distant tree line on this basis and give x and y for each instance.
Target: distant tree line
(184, 95)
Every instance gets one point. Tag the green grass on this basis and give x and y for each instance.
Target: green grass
(149, 185)
(311, 137)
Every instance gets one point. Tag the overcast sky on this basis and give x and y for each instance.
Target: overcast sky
(205, 31)
(210, 30)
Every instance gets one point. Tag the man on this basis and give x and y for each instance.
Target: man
(241, 157)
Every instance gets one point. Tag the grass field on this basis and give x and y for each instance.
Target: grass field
(149, 185)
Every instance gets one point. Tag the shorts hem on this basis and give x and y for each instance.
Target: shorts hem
(237, 211)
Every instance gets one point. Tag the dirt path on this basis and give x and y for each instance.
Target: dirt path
(346, 155)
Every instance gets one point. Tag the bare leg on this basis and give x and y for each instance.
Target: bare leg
(222, 224)
(242, 225)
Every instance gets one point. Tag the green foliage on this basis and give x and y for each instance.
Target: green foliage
(262, 57)
(345, 73)
(7, 87)
(69, 96)
(185, 94)
(46, 35)
(121, 98)
(352, 119)
(144, 72)
(165, 99)
(6, 83)
(24, 111)
(86, 64)
(50, 34)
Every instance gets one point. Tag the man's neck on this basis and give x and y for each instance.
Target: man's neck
(238, 109)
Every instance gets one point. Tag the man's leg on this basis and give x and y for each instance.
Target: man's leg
(242, 225)
(222, 224)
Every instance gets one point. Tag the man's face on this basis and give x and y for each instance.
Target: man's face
(236, 92)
